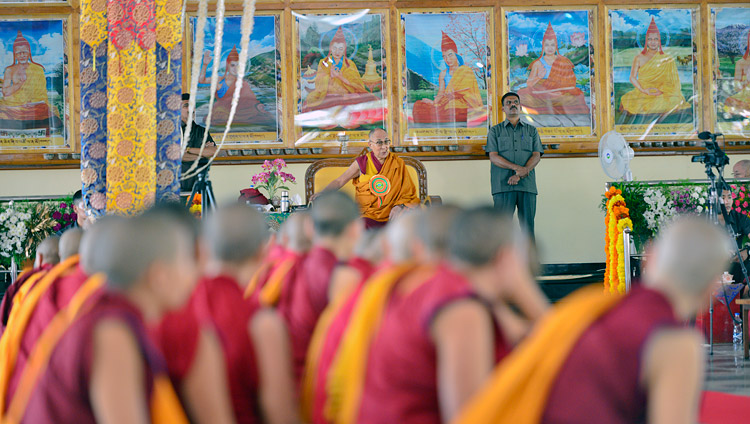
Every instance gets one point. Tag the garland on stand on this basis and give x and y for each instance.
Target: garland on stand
(616, 220)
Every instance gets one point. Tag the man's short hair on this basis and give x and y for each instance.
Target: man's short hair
(509, 94)
(78, 197)
(185, 96)
(478, 234)
(332, 212)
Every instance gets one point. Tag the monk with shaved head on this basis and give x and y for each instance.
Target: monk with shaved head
(327, 377)
(191, 346)
(70, 242)
(46, 257)
(254, 342)
(336, 229)
(100, 366)
(617, 359)
(439, 339)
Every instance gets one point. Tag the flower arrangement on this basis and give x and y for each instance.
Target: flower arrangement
(23, 225)
(616, 220)
(741, 196)
(13, 232)
(196, 208)
(655, 204)
(272, 177)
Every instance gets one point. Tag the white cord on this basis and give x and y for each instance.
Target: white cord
(218, 41)
(199, 41)
(248, 13)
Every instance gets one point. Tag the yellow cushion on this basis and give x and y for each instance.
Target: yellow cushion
(324, 176)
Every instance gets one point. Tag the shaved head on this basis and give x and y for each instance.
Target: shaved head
(477, 235)
(235, 233)
(433, 229)
(124, 248)
(375, 133)
(70, 242)
(179, 214)
(741, 169)
(293, 232)
(49, 251)
(93, 241)
(399, 235)
(690, 255)
(332, 212)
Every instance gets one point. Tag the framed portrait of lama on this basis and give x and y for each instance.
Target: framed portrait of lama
(445, 63)
(35, 96)
(550, 63)
(655, 77)
(258, 117)
(342, 76)
(730, 30)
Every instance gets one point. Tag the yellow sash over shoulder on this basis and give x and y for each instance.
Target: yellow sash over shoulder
(518, 389)
(346, 377)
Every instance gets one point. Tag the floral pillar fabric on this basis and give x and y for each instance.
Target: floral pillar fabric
(131, 98)
(168, 98)
(93, 74)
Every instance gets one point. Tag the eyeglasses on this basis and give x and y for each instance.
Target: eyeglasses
(385, 142)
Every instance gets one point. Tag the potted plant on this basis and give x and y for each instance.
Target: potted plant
(272, 179)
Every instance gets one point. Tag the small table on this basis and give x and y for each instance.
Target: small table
(745, 303)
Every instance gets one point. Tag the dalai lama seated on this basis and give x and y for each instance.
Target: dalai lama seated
(383, 187)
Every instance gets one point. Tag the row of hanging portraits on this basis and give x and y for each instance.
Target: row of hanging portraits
(445, 76)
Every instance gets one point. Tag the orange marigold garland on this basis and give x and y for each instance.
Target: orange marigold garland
(616, 220)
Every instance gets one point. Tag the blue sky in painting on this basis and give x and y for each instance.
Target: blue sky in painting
(528, 27)
(668, 20)
(732, 16)
(423, 37)
(262, 39)
(45, 38)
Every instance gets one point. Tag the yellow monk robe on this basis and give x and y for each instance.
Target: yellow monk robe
(462, 101)
(659, 72)
(402, 192)
(30, 102)
(10, 342)
(518, 388)
(560, 76)
(330, 92)
(739, 103)
(164, 405)
(346, 376)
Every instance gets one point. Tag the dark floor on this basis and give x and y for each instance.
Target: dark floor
(727, 371)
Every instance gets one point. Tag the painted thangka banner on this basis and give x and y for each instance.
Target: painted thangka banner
(732, 70)
(654, 71)
(342, 76)
(258, 115)
(446, 76)
(550, 66)
(34, 81)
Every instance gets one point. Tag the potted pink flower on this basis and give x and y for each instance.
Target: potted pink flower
(272, 179)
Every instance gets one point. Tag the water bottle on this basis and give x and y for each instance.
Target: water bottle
(737, 334)
(284, 201)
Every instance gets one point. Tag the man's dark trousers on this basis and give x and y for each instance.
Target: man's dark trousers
(525, 202)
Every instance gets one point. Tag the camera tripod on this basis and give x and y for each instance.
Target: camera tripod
(203, 187)
(717, 184)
